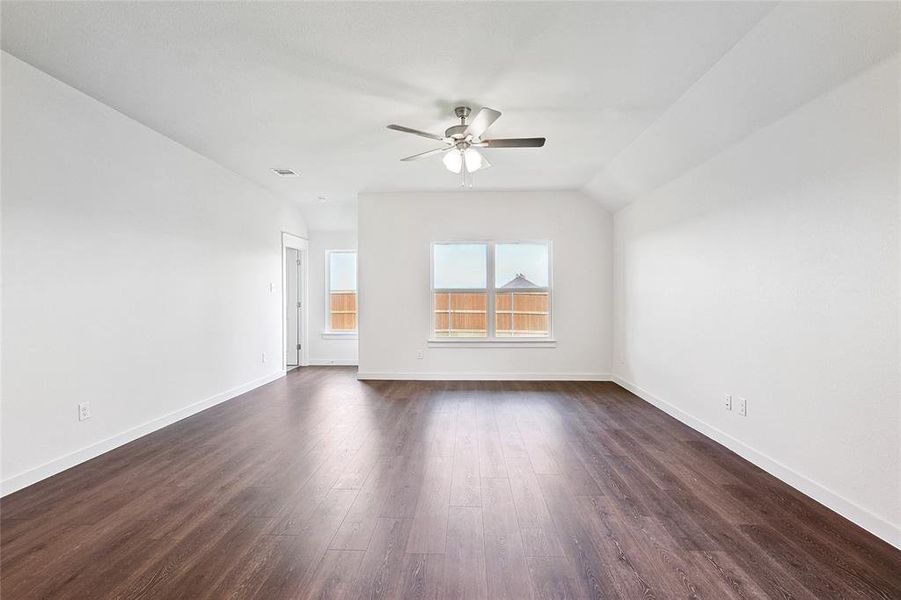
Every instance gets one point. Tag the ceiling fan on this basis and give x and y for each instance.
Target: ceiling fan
(461, 141)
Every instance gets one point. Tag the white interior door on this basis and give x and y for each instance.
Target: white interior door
(293, 306)
(298, 312)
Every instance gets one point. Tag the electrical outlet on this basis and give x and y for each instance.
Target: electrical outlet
(84, 411)
(263, 357)
(419, 354)
(743, 407)
(727, 401)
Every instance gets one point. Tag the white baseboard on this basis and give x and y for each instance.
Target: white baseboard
(329, 362)
(478, 376)
(873, 523)
(26, 478)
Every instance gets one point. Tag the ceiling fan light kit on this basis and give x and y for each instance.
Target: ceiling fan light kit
(461, 142)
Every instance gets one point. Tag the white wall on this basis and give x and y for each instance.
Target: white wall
(327, 350)
(136, 277)
(395, 231)
(771, 272)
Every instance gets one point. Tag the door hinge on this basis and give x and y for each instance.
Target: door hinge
(298, 346)
(298, 305)
(298, 262)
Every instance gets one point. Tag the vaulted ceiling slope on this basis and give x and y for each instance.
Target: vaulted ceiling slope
(629, 95)
(797, 52)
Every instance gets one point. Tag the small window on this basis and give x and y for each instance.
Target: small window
(342, 290)
(491, 289)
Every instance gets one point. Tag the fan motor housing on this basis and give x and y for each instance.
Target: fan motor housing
(455, 131)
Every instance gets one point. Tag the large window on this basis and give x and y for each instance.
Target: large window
(491, 289)
(342, 291)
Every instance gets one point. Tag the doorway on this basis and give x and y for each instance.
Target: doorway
(293, 307)
(294, 301)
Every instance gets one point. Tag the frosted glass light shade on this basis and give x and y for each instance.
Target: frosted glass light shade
(453, 160)
(474, 160)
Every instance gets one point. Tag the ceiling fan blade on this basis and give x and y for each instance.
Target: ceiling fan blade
(512, 143)
(424, 134)
(427, 153)
(481, 122)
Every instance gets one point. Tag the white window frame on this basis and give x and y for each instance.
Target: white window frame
(327, 331)
(491, 340)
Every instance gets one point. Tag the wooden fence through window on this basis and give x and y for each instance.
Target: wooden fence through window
(521, 313)
(517, 313)
(343, 311)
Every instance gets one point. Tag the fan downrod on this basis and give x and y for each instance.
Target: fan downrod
(456, 131)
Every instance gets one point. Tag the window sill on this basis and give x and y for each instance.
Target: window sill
(339, 335)
(491, 343)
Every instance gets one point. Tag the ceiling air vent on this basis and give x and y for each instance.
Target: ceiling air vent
(285, 173)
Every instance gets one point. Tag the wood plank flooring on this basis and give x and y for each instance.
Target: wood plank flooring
(320, 486)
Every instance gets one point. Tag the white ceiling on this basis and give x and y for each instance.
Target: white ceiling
(629, 95)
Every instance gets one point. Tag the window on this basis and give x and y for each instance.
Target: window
(521, 276)
(341, 304)
(460, 290)
(491, 290)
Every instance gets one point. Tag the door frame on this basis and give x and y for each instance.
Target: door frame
(302, 245)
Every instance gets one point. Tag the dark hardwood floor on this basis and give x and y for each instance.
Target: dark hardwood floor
(320, 486)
